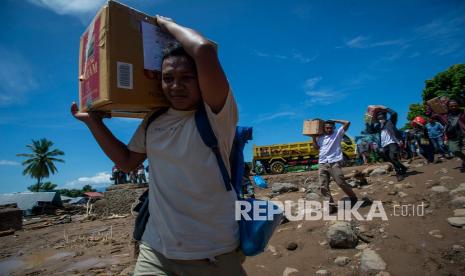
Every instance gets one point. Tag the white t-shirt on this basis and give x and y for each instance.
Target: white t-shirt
(386, 138)
(191, 212)
(330, 147)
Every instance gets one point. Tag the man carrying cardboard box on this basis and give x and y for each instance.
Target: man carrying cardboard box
(191, 229)
(329, 161)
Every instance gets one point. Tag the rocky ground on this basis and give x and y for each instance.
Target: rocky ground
(415, 240)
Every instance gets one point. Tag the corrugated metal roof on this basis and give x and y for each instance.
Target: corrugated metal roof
(77, 200)
(26, 201)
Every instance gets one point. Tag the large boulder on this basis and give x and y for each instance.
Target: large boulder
(342, 235)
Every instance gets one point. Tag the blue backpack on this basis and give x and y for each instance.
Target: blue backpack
(254, 233)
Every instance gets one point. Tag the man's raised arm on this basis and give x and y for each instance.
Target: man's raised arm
(117, 151)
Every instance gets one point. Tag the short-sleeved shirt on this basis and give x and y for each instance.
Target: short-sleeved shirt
(191, 212)
(330, 147)
(435, 130)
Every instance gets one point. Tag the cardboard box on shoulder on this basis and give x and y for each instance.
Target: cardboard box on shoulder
(120, 62)
(313, 127)
(438, 105)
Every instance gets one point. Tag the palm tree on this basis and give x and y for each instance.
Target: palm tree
(40, 162)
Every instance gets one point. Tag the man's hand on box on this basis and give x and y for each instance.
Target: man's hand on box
(161, 21)
(87, 117)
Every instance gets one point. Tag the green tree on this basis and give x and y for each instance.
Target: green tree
(88, 188)
(40, 162)
(450, 83)
(414, 110)
(45, 187)
(70, 192)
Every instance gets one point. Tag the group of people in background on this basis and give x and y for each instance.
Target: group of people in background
(441, 134)
(135, 176)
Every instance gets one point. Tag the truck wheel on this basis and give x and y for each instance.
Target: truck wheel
(277, 167)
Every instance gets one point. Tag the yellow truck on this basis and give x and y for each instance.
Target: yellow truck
(275, 158)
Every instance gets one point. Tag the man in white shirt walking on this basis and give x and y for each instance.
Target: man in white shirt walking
(329, 163)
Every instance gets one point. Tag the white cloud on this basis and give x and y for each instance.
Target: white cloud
(294, 56)
(101, 179)
(73, 7)
(268, 117)
(16, 77)
(363, 42)
(311, 82)
(322, 96)
(9, 163)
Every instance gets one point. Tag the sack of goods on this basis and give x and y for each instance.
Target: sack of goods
(372, 111)
(120, 62)
(313, 127)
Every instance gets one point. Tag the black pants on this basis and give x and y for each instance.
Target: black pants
(391, 154)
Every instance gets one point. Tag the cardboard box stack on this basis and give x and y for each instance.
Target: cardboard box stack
(438, 104)
(313, 127)
(120, 62)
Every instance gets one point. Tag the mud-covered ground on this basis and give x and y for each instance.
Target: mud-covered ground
(412, 243)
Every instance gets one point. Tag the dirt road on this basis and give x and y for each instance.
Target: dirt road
(409, 243)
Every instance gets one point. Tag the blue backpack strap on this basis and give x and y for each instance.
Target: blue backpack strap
(209, 139)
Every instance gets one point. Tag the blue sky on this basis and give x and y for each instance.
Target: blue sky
(286, 61)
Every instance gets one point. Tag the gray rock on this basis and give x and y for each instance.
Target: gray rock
(291, 246)
(383, 273)
(289, 270)
(371, 262)
(323, 272)
(456, 221)
(458, 202)
(362, 246)
(436, 233)
(442, 170)
(312, 196)
(342, 260)
(402, 194)
(378, 171)
(459, 213)
(439, 189)
(458, 248)
(459, 190)
(398, 186)
(446, 178)
(284, 188)
(342, 235)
